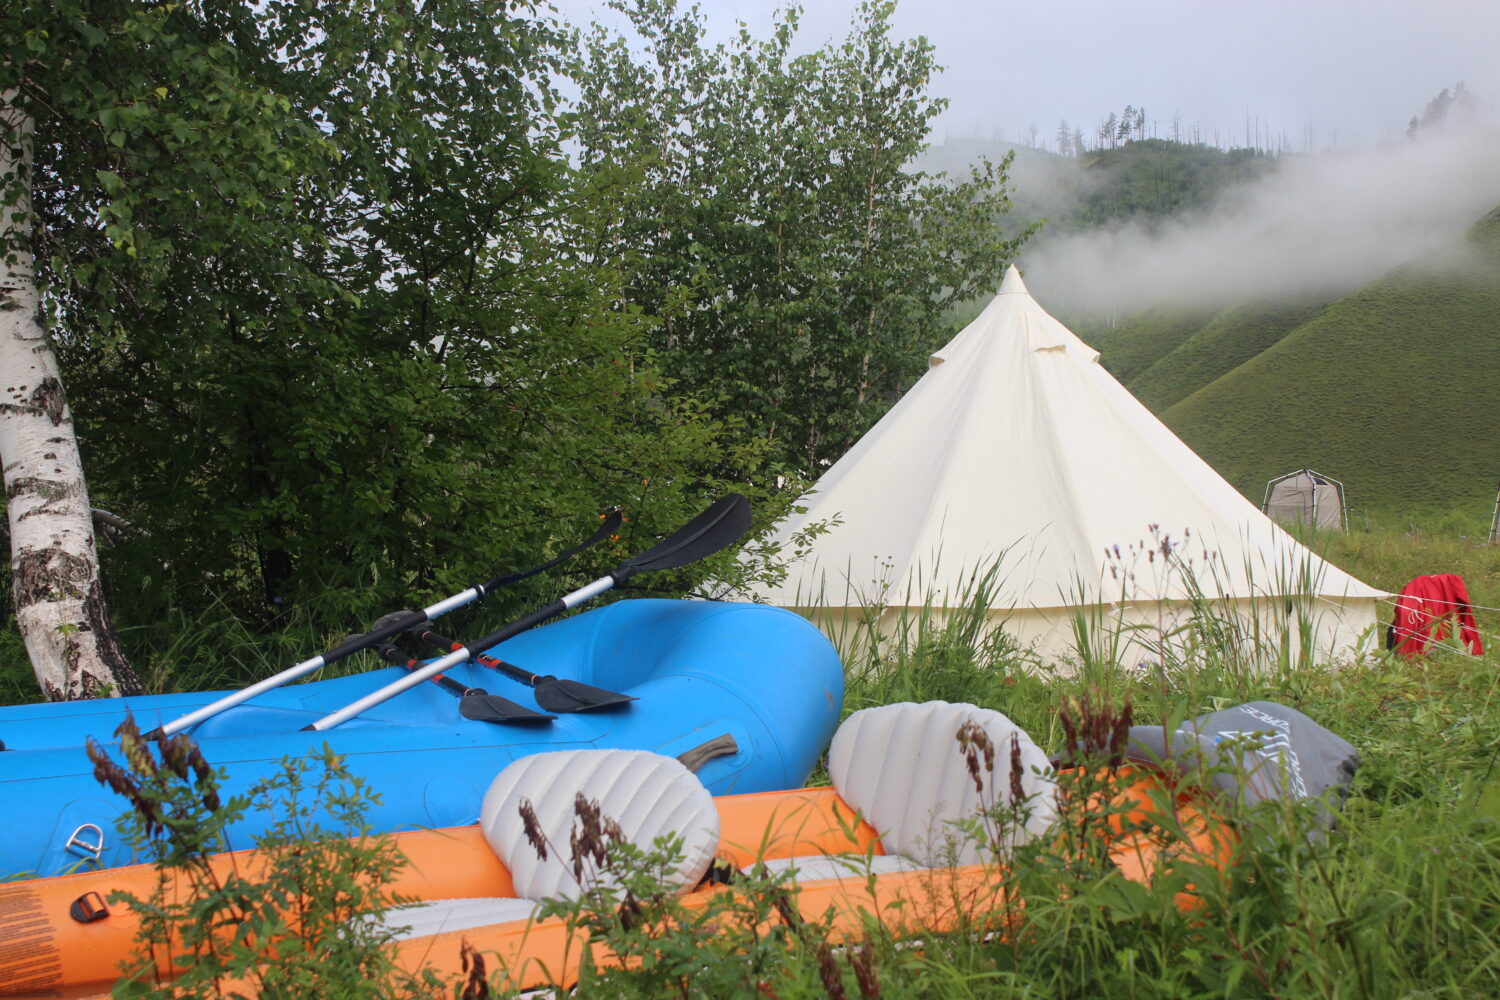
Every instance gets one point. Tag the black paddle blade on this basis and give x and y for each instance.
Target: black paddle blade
(609, 527)
(716, 528)
(558, 695)
(482, 707)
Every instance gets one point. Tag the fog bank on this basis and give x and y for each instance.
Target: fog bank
(1322, 224)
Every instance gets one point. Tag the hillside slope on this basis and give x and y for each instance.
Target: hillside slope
(1391, 389)
(1233, 337)
(1139, 341)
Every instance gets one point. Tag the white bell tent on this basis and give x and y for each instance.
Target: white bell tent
(1018, 460)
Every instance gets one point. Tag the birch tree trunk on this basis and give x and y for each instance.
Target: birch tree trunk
(59, 603)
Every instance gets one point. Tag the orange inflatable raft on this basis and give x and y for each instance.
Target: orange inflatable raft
(60, 937)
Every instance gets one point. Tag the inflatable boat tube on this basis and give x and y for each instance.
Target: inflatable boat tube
(69, 941)
(754, 689)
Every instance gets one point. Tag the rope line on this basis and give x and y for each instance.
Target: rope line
(1434, 600)
(1492, 637)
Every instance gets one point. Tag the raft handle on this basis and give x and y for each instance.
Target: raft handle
(719, 746)
(88, 908)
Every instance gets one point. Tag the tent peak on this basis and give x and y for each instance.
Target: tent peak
(1012, 282)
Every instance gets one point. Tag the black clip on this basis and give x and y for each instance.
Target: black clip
(88, 908)
(721, 872)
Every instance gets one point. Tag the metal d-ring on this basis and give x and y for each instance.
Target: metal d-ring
(83, 848)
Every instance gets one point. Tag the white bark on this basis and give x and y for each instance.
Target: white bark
(59, 603)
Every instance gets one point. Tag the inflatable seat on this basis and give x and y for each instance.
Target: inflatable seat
(647, 794)
(902, 768)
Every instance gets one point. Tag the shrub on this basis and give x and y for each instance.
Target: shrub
(294, 922)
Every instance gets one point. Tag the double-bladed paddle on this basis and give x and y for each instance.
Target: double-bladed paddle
(385, 628)
(555, 694)
(473, 703)
(714, 529)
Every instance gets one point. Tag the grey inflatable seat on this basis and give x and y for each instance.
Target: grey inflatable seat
(902, 768)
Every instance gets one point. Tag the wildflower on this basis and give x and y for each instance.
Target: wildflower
(1017, 793)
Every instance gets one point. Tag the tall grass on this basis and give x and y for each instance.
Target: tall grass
(1401, 899)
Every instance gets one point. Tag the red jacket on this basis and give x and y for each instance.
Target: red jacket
(1422, 613)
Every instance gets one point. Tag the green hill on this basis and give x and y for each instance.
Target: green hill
(1391, 389)
(1233, 337)
(1139, 341)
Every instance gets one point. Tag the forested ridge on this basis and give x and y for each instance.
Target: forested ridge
(1143, 180)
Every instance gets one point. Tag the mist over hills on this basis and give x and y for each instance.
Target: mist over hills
(1339, 311)
(1157, 222)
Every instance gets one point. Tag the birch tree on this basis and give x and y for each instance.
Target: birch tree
(59, 601)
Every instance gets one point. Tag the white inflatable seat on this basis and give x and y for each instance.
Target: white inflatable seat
(902, 768)
(421, 919)
(841, 866)
(648, 795)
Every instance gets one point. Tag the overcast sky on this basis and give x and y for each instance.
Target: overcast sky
(1354, 71)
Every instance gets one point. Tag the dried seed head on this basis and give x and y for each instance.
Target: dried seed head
(137, 755)
(590, 838)
(1070, 730)
(976, 744)
(1092, 732)
(533, 828)
(828, 971)
(862, 961)
(1017, 793)
(630, 912)
(612, 831)
(1119, 739)
(476, 981)
(198, 764)
(107, 772)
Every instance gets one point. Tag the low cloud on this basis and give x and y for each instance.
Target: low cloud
(1323, 224)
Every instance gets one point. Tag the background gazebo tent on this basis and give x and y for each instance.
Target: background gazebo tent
(1018, 461)
(1306, 497)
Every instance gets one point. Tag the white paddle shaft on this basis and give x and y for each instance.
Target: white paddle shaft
(436, 667)
(292, 673)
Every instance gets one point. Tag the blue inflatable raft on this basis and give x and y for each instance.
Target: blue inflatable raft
(763, 677)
